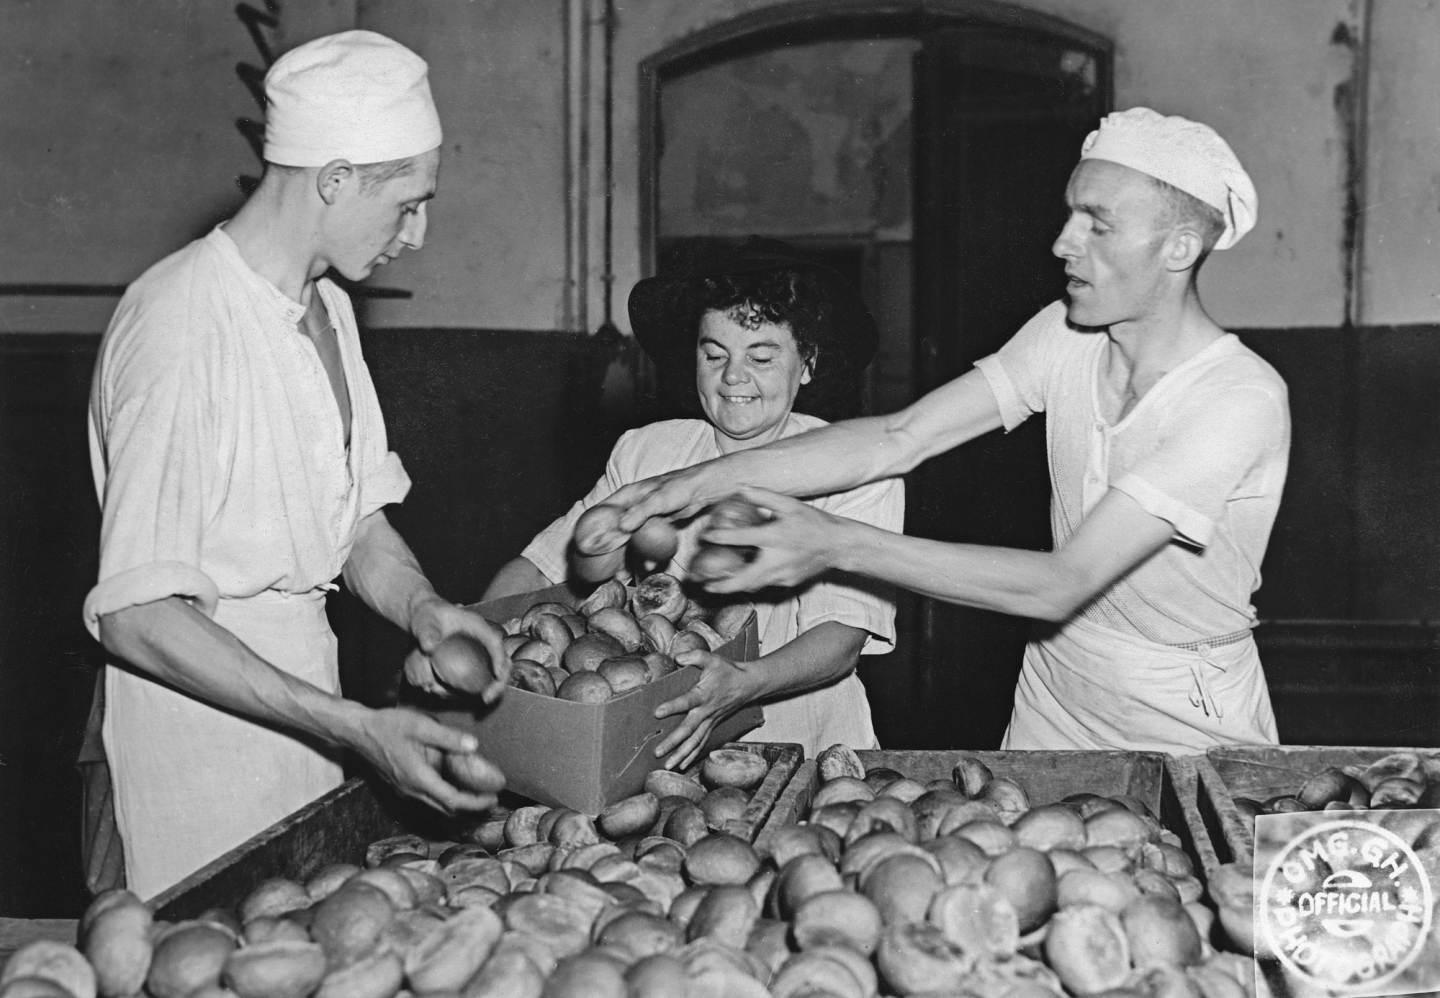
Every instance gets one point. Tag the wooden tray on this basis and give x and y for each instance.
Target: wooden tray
(1264, 771)
(1047, 776)
(337, 827)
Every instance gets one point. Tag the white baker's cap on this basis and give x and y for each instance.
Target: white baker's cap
(357, 96)
(1184, 154)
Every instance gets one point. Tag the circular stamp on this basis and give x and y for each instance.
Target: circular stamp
(1345, 906)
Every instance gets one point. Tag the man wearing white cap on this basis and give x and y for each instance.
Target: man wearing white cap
(1168, 444)
(241, 461)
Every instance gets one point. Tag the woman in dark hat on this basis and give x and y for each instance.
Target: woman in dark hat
(757, 327)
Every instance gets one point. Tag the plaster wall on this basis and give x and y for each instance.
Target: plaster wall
(119, 144)
(1401, 207)
(495, 250)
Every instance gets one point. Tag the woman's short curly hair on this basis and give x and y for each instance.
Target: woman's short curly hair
(798, 300)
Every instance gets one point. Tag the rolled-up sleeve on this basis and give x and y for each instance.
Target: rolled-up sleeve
(147, 583)
(1211, 447)
(383, 479)
(153, 450)
(1017, 373)
(385, 482)
(853, 600)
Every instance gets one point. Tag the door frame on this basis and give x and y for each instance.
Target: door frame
(798, 22)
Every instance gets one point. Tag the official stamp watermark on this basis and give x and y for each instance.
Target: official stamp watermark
(1346, 906)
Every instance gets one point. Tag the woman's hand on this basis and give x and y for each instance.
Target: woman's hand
(434, 619)
(724, 688)
(796, 544)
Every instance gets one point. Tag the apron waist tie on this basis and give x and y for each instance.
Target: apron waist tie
(1200, 695)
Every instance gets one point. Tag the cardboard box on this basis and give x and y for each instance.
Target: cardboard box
(587, 756)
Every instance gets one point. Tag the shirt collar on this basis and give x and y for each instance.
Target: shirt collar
(292, 310)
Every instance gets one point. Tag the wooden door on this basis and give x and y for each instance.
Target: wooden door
(999, 119)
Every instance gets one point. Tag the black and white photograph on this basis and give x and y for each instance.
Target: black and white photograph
(719, 498)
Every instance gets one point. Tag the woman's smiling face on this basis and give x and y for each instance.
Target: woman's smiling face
(748, 374)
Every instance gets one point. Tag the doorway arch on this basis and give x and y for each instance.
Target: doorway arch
(806, 21)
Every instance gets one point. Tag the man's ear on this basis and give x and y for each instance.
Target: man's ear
(331, 178)
(807, 373)
(1183, 249)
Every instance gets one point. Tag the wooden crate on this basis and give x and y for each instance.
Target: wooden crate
(334, 828)
(1204, 811)
(1263, 771)
(1047, 776)
(17, 933)
(337, 827)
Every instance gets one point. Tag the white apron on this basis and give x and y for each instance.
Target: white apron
(191, 781)
(1088, 687)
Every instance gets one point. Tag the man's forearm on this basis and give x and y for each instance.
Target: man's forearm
(384, 572)
(1118, 536)
(823, 654)
(846, 455)
(802, 542)
(177, 644)
(823, 461)
(1041, 585)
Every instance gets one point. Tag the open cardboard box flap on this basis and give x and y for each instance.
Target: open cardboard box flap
(581, 755)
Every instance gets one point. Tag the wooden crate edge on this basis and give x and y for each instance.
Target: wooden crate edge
(223, 874)
(283, 850)
(783, 759)
(1234, 831)
(792, 803)
(1231, 833)
(1180, 771)
(796, 798)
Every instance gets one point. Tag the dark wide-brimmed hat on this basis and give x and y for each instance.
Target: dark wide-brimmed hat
(662, 308)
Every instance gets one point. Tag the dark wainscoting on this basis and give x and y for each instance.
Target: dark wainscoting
(1346, 682)
(502, 430)
(49, 529)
